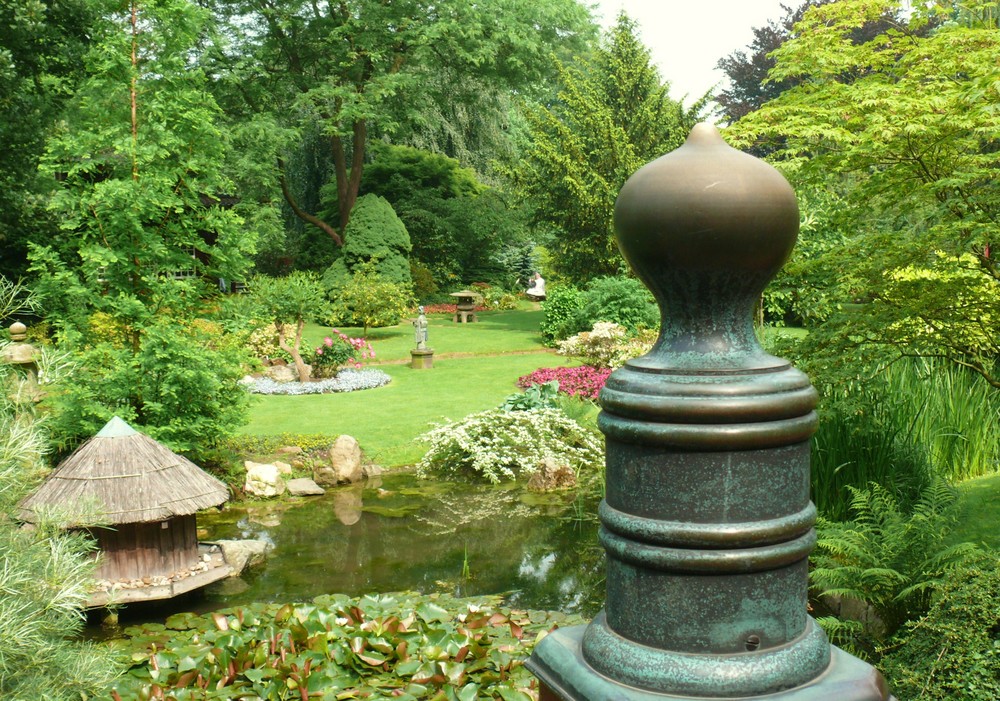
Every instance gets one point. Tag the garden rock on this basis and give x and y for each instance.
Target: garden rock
(263, 480)
(551, 476)
(241, 554)
(345, 463)
(283, 467)
(282, 373)
(289, 450)
(304, 487)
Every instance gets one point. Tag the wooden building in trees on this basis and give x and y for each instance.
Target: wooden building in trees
(138, 499)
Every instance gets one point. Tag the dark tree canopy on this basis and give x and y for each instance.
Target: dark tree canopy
(358, 68)
(42, 44)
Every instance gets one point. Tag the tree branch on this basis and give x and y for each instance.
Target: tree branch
(301, 213)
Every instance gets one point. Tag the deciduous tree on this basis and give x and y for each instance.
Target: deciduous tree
(906, 125)
(288, 303)
(355, 68)
(138, 190)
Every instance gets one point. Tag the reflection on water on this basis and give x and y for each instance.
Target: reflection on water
(400, 533)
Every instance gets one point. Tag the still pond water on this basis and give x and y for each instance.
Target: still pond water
(401, 533)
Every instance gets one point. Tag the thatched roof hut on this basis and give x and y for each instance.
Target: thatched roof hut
(138, 499)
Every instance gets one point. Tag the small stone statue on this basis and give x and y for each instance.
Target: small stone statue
(420, 330)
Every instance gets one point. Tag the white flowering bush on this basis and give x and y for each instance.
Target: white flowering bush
(608, 345)
(502, 445)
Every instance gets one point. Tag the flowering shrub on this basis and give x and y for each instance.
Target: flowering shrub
(345, 381)
(499, 444)
(263, 342)
(337, 351)
(584, 381)
(498, 298)
(608, 345)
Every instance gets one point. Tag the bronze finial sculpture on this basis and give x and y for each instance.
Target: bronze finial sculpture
(706, 522)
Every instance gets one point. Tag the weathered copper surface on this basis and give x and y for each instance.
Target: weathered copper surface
(706, 523)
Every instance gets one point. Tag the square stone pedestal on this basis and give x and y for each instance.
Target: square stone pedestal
(422, 359)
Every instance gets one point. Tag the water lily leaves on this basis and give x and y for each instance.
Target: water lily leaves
(509, 694)
(220, 621)
(283, 614)
(182, 621)
(431, 613)
(404, 646)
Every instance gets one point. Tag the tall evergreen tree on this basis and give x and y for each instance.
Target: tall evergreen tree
(612, 116)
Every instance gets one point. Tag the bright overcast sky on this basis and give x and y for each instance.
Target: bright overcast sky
(688, 37)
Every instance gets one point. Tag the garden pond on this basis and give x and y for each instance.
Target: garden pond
(401, 533)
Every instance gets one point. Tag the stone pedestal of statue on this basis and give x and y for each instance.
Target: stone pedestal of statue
(422, 358)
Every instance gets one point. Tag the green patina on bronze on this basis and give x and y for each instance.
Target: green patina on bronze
(706, 523)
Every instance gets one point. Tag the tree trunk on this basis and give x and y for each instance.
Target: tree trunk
(349, 182)
(293, 350)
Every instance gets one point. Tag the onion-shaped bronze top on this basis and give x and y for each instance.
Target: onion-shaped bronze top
(706, 227)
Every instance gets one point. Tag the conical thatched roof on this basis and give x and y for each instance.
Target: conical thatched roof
(122, 476)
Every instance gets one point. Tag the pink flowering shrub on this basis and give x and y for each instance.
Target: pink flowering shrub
(584, 381)
(338, 351)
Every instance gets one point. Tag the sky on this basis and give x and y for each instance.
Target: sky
(688, 37)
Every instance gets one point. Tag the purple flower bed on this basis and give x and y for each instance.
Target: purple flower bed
(583, 381)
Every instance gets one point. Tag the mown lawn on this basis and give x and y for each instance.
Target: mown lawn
(476, 366)
(979, 512)
(494, 333)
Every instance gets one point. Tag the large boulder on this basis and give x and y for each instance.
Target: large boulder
(241, 554)
(263, 480)
(345, 464)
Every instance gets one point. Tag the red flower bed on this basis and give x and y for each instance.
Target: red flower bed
(583, 381)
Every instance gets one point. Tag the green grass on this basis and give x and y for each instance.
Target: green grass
(979, 513)
(494, 333)
(388, 419)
